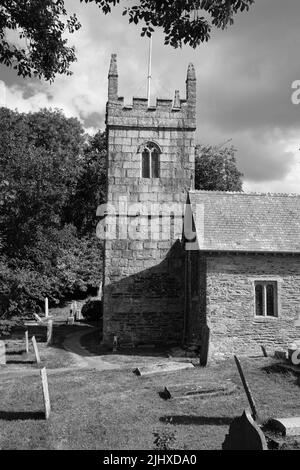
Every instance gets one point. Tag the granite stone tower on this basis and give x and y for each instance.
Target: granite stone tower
(150, 168)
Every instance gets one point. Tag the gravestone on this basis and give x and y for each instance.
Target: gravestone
(164, 367)
(45, 392)
(36, 351)
(190, 391)
(49, 332)
(247, 389)
(26, 342)
(245, 434)
(2, 352)
(286, 426)
(46, 307)
(115, 344)
(205, 333)
(264, 351)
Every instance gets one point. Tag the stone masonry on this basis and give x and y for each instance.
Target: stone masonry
(143, 271)
(226, 302)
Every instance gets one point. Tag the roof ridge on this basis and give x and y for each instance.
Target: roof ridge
(243, 193)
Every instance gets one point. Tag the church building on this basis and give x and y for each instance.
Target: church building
(176, 260)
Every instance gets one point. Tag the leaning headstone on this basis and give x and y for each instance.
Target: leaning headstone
(38, 318)
(264, 351)
(45, 392)
(36, 351)
(2, 352)
(49, 332)
(245, 434)
(247, 389)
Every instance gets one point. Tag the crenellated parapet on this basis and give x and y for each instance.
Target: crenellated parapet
(167, 113)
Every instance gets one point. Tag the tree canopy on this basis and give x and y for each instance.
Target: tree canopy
(182, 21)
(216, 169)
(52, 178)
(41, 49)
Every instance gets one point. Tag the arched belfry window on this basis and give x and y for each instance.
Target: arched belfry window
(150, 160)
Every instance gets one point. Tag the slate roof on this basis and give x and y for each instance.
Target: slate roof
(250, 222)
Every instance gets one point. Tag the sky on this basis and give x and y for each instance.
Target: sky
(244, 84)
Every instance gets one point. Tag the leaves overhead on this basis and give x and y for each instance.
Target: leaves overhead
(182, 21)
(33, 40)
(36, 44)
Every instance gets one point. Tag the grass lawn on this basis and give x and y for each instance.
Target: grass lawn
(117, 410)
(51, 357)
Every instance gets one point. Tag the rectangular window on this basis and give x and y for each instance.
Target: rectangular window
(150, 161)
(266, 299)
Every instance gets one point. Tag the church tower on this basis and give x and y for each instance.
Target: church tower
(150, 168)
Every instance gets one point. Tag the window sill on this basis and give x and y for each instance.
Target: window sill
(263, 319)
(150, 178)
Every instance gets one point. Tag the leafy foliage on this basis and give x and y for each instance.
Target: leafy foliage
(216, 169)
(91, 186)
(182, 21)
(46, 163)
(40, 157)
(40, 48)
(92, 310)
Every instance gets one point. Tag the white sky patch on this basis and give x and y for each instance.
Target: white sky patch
(290, 183)
(79, 95)
(91, 130)
(2, 94)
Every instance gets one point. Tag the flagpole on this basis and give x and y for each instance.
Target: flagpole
(149, 71)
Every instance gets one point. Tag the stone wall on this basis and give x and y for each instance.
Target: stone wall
(144, 262)
(230, 303)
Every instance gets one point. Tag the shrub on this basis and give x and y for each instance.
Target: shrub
(92, 310)
(7, 326)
